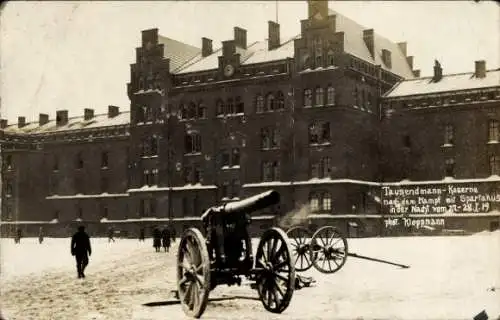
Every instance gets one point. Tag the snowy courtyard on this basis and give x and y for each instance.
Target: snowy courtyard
(449, 278)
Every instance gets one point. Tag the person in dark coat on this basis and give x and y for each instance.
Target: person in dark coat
(17, 239)
(165, 239)
(40, 235)
(111, 233)
(142, 234)
(80, 248)
(157, 239)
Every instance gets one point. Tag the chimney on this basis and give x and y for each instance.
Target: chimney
(113, 111)
(206, 47)
(402, 47)
(369, 41)
(43, 119)
(410, 61)
(21, 122)
(480, 69)
(273, 34)
(386, 58)
(88, 114)
(416, 73)
(3, 123)
(438, 71)
(61, 117)
(240, 37)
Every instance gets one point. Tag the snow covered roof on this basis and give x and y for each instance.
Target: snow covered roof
(179, 53)
(74, 123)
(354, 44)
(450, 82)
(258, 52)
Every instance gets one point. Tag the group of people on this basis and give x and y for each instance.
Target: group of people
(163, 238)
(19, 235)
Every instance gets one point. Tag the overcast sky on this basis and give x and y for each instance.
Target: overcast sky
(76, 55)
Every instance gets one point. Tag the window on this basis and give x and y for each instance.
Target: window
(197, 175)
(450, 167)
(193, 143)
(493, 133)
(235, 188)
(219, 107)
(202, 110)
(229, 106)
(188, 173)
(104, 211)
(494, 165)
(55, 164)
(79, 161)
(235, 159)
(319, 97)
(240, 107)
(269, 102)
(362, 99)
(56, 215)
(448, 135)
(369, 101)
(330, 58)
(319, 132)
(80, 213)
(8, 188)
(154, 145)
(152, 206)
(320, 168)
(259, 104)
(280, 101)
(270, 138)
(145, 178)
(8, 162)
(356, 96)
(148, 114)
(276, 171)
(225, 189)
(154, 176)
(104, 184)
(330, 96)
(307, 97)
(104, 159)
(225, 160)
(267, 174)
(54, 184)
(183, 111)
(141, 83)
(407, 141)
(191, 111)
(320, 202)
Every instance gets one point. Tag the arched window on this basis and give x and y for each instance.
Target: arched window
(219, 107)
(330, 96)
(280, 101)
(269, 102)
(191, 110)
(307, 97)
(259, 104)
(229, 106)
(331, 59)
(202, 110)
(319, 97)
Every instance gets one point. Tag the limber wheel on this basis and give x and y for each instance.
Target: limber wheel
(300, 239)
(276, 280)
(330, 249)
(193, 273)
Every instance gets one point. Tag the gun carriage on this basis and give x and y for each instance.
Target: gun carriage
(327, 249)
(224, 255)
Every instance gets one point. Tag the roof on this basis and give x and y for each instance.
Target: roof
(258, 52)
(179, 53)
(354, 44)
(450, 82)
(74, 123)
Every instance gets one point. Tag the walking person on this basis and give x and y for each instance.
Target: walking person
(165, 239)
(157, 239)
(40, 235)
(80, 248)
(18, 236)
(142, 235)
(111, 233)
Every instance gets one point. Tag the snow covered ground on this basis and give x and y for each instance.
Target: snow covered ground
(449, 278)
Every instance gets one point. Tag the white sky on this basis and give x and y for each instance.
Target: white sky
(76, 55)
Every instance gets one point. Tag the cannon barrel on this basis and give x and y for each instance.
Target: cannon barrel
(254, 203)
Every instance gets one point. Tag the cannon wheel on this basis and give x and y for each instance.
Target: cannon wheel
(330, 249)
(193, 273)
(276, 281)
(301, 245)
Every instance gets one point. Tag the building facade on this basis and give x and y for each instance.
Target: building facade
(318, 117)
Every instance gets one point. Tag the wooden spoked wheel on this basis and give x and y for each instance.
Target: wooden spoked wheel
(329, 248)
(275, 279)
(193, 273)
(300, 239)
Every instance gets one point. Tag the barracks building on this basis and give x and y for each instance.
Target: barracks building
(336, 119)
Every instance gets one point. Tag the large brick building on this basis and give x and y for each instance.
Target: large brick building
(306, 116)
